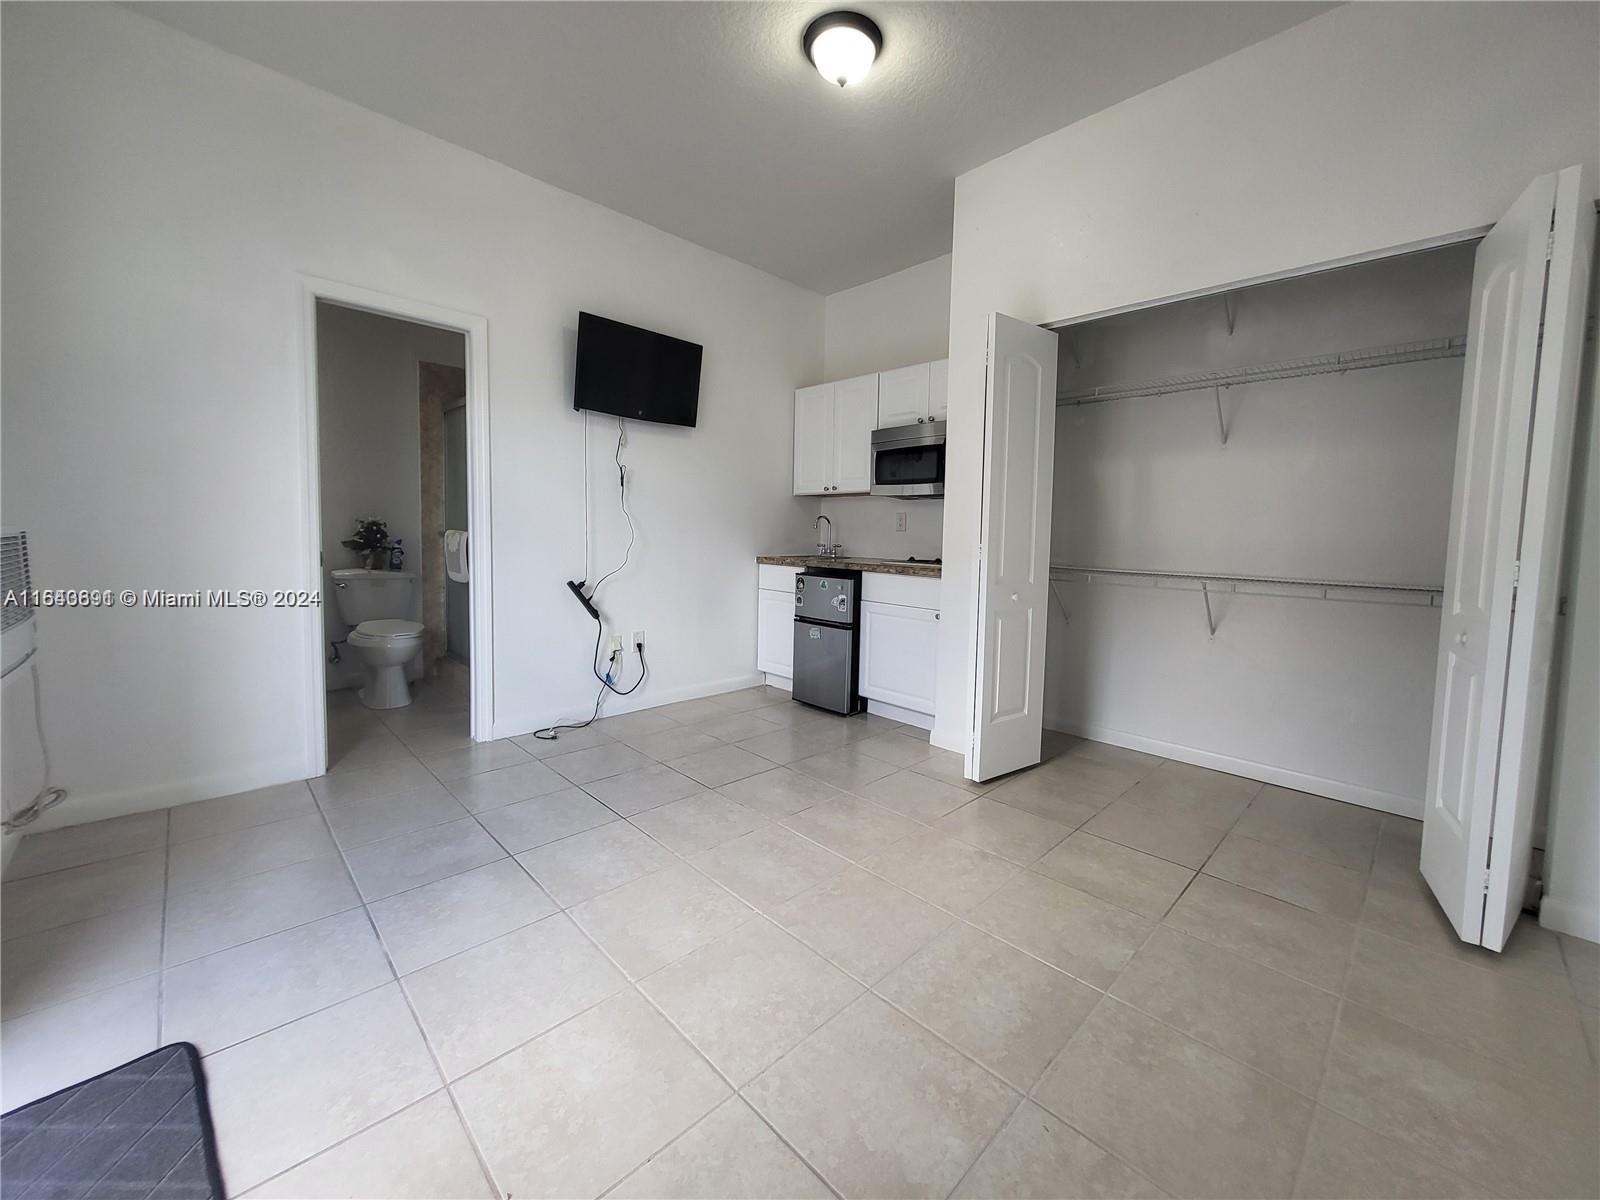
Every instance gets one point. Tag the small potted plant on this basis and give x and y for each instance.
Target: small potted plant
(371, 542)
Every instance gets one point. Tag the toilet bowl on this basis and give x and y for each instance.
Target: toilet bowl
(384, 648)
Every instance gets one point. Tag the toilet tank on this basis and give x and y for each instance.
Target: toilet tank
(363, 595)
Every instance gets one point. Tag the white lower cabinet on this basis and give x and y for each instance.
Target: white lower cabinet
(899, 654)
(775, 620)
(775, 633)
(899, 635)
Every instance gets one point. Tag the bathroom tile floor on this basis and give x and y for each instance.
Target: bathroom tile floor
(738, 947)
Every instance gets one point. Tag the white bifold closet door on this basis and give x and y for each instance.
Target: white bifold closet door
(1513, 459)
(1019, 446)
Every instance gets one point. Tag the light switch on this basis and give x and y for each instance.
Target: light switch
(899, 522)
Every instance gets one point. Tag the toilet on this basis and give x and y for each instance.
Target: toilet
(376, 603)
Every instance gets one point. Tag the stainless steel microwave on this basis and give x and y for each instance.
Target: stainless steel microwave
(908, 460)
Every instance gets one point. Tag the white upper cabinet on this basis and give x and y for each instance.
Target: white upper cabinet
(814, 467)
(855, 416)
(913, 395)
(833, 424)
(903, 396)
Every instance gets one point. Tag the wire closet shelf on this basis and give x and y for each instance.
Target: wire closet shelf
(1210, 584)
(1264, 585)
(1319, 364)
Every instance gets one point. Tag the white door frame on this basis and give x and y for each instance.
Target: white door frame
(475, 329)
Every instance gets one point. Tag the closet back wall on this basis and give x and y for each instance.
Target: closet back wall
(1337, 476)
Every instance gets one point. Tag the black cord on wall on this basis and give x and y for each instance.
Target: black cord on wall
(607, 684)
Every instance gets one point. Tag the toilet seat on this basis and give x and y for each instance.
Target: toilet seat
(386, 631)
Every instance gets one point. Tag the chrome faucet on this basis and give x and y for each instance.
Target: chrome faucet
(827, 547)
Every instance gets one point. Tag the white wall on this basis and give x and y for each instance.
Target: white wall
(370, 439)
(894, 321)
(161, 202)
(866, 526)
(1372, 126)
(1572, 844)
(1342, 477)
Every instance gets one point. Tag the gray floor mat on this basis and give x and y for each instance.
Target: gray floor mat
(141, 1130)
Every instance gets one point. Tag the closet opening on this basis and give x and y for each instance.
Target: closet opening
(1250, 519)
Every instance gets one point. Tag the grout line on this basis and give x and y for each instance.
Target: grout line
(759, 914)
(422, 1034)
(755, 915)
(261, 937)
(349, 1137)
(161, 950)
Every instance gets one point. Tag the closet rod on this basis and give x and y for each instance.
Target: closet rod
(1323, 589)
(1319, 364)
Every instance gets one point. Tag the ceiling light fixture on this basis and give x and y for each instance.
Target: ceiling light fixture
(843, 46)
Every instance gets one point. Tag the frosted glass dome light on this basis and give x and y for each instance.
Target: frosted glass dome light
(843, 46)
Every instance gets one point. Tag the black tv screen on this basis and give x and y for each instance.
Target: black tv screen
(632, 372)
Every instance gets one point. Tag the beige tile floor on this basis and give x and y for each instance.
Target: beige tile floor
(737, 947)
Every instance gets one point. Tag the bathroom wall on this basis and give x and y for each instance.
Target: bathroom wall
(369, 439)
(164, 204)
(894, 321)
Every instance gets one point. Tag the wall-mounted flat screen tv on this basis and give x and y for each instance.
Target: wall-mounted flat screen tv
(631, 372)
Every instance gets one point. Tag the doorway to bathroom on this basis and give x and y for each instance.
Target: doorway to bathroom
(398, 516)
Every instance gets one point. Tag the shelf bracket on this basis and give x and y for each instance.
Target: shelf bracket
(1211, 620)
(1056, 596)
(1229, 311)
(1222, 425)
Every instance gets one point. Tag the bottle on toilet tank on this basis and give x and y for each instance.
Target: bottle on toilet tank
(397, 556)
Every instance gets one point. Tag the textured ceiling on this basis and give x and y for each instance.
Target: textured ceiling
(704, 119)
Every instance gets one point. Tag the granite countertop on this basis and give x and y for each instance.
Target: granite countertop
(886, 566)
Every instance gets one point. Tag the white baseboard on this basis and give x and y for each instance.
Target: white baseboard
(953, 740)
(1573, 919)
(905, 716)
(505, 727)
(1317, 785)
(79, 809)
(894, 712)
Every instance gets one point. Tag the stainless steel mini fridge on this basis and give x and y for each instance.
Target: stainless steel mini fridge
(827, 638)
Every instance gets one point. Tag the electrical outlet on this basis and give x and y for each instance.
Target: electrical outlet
(616, 644)
(638, 637)
(899, 522)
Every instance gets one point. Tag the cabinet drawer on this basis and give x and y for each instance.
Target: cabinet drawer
(917, 591)
(770, 578)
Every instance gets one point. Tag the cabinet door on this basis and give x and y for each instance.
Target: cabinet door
(899, 655)
(903, 396)
(813, 440)
(775, 633)
(855, 415)
(938, 390)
